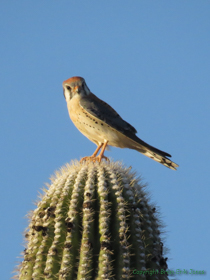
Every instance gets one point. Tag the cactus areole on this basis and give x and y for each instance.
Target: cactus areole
(94, 222)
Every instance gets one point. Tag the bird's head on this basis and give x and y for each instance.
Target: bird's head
(73, 87)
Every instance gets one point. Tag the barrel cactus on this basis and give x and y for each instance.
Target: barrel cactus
(94, 221)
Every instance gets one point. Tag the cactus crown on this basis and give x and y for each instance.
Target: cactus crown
(94, 222)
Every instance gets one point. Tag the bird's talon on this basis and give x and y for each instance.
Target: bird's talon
(106, 158)
(86, 159)
(94, 159)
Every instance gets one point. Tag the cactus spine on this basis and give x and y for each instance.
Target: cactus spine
(94, 222)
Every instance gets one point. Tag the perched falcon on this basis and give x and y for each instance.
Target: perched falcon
(101, 124)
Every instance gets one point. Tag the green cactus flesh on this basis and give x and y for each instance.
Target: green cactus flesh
(94, 222)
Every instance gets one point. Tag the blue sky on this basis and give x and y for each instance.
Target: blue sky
(150, 60)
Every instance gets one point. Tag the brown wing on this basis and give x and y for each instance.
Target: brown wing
(101, 110)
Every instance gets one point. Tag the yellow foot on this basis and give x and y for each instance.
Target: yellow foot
(94, 159)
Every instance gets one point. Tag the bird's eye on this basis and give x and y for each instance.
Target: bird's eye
(68, 87)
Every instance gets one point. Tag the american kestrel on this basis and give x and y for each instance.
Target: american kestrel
(102, 125)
